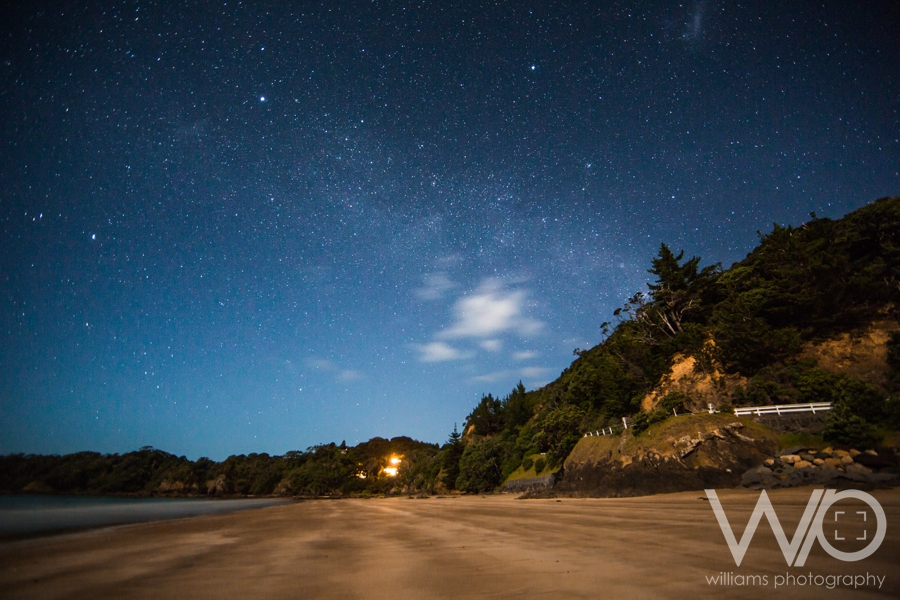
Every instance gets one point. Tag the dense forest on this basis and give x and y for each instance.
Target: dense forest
(800, 284)
(328, 469)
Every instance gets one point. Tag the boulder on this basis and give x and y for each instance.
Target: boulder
(760, 476)
(873, 461)
(803, 464)
(807, 456)
(818, 462)
(793, 450)
(856, 468)
(847, 460)
(790, 459)
(834, 463)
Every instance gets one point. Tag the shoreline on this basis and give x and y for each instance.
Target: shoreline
(39, 516)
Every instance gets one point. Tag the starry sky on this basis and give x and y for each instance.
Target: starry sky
(233, 227)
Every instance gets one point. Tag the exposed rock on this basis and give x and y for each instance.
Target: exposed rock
(855, 468)
(530, 483)
(861, 353)
(699, 387)
(685, 453)
(793, 422)
(167, 486)
(38, 487)
(283, 488)
(830, 471)
(873, 461)
(217, 486)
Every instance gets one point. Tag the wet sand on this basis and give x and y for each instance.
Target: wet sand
(453, 547)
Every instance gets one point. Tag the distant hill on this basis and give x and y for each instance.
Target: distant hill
(328, 469)
(759, 332)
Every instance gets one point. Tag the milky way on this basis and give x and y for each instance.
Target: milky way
(238, 227)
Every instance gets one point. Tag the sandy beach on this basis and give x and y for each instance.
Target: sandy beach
(664, 546)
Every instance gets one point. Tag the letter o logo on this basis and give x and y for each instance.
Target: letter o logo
(832, 497)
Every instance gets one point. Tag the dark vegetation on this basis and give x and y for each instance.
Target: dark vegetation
(800, 284)
(328, 469)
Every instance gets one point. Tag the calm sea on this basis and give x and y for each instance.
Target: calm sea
(26, 516)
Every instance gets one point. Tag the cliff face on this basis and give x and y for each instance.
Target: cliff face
(700, 386)
(692, 452)
(861, 353)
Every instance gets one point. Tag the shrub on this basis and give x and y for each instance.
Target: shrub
(539, 465)
(479, 470)
(843, 426)
(527, 464)
(673, 401)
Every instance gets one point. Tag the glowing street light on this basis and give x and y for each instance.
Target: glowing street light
(392, 470)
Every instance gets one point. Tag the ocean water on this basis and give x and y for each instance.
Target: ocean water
(31, 515)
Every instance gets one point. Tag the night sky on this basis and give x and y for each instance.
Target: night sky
(243, 227)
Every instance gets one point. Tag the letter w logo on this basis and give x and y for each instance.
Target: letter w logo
(810, 526)
(764, 507)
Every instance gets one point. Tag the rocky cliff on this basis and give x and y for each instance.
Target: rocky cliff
(683, 453)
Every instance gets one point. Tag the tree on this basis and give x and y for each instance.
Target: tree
(486, 417)
(453, 451)
(516, 409)
(479, 467)
(678, 289)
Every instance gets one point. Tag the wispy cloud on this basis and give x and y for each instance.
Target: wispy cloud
(440, 352)
(524, 355)
(492, 377)
(350, 375)
(532, 372)
(321, 364)
(329, 366)
(492, 310)
(492, 345)
(436, 285)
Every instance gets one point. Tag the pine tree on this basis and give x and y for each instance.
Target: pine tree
(453, 451)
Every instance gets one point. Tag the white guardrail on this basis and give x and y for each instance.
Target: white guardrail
(775, 409)
(780, 409)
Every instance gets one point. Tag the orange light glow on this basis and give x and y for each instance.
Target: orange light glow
(390, 471)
